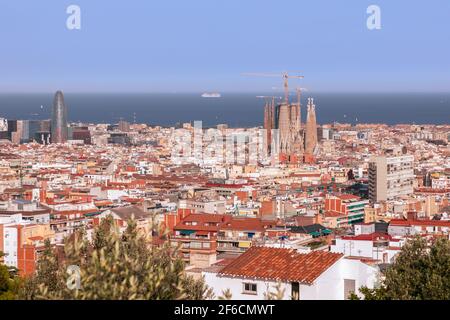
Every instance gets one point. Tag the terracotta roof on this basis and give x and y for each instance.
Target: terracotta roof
(246, 224)
(280, 264)
(348, 197)
(399, 222)
(370, 237)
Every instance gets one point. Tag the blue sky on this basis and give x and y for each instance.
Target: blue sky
(205, 45)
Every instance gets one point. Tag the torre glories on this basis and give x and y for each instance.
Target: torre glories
(59, 131)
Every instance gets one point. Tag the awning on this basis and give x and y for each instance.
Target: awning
(92, 214)
(244, 244)
(186, 232)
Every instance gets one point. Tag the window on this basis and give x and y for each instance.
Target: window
(206, 245)
(196, 245)
(250, 288)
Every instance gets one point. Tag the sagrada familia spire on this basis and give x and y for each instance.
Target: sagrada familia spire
(286, 118)
(293, 142)
(311, 129)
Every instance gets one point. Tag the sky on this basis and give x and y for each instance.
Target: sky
(206, 45)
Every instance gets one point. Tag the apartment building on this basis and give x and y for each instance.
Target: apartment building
(390, 177)
(348, 209)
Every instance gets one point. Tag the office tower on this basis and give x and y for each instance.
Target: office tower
(18, 131)
(81, 133)
(59, 119)
(311, 128)
(390, 177)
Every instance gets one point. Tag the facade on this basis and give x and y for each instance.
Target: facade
(59, 131)
(412, 226)
(347, 205)
(378, 247)
(390, 177)
(197, 234)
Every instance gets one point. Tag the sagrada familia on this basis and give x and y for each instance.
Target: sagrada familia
(296, 143)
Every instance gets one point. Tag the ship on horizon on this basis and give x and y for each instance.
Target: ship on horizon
(211, 95)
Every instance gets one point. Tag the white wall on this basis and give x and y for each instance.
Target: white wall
(329, 285)
(357, 248)
(236, 286)
(10, 246)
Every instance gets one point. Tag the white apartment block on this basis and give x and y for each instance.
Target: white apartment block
(390, 177)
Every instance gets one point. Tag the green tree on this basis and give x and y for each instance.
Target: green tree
(114, 266)
(9, 282)
(278, 294)
(226, 295)
(420, 272)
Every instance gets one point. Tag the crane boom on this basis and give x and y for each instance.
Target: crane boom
(284, 75)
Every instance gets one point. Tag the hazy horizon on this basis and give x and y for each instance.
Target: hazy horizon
(202, 46)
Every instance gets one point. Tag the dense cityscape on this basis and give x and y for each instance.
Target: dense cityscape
(224, 159)
(314, 211)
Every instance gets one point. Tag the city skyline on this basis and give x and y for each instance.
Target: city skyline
(224, 150)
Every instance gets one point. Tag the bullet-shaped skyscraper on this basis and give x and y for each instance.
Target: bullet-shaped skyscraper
(59, 130)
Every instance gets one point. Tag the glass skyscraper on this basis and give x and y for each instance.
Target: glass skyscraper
(59, 130)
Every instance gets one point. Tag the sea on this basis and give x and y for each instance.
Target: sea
(234, 109)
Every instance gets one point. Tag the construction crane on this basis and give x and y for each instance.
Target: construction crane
(284, 75)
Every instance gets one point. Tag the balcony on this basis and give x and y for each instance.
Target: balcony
(236, 239)
(231, 249)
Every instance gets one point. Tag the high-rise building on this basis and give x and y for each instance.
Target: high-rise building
(390, 177)
(59, 130)
(311, 129)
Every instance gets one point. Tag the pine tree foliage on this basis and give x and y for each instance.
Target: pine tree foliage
(113, 266)
(9, 282)
(420, 272)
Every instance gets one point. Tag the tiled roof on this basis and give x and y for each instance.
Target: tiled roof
(399, 222)
(246, 224)
(348, 197)
(280, 264)
(370, 237)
